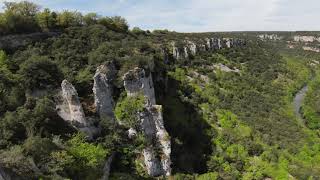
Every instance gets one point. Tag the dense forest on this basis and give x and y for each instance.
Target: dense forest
(228, 111)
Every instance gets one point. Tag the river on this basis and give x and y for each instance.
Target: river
(297, 103)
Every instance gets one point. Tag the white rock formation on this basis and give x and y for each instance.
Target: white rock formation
(132, 133)
(163, 137)
(175, 51)
(209, 45)
(228, 42)
(225, 68)
(136, 81)
(151, 123)
(304, 38)
(185, 52)
(192, 47)
(270, 37)
(314, 49)
(70, 109)
(70, 95)
(102, 90)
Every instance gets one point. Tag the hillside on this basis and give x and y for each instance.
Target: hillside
(85, 97)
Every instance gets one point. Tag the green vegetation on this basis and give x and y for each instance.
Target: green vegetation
(223, 125)
(24, 16)
(128, 109)
(310, 108)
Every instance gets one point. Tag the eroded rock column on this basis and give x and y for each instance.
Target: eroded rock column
(151, 122)
(70, 109)
(102, 90)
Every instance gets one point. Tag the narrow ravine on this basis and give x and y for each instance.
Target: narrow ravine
(297, 103)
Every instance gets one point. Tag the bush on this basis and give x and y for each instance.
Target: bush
(127, 110)
(40, 72)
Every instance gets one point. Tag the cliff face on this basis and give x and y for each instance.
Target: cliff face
(151, 122)
(136, 81)
(209, 44)
(102, 90)
(70, 109)
(306, 38)
(269, 37)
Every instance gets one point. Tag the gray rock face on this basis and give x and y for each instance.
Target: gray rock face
(70, 94)
(175, 51)
(228, 42)
(70, 109)
(305, 39)
(163, 137)
(210, 44)
(151, 162)
(185, 52)
(269, 37)
(102, 89)
(151, 123)
(192, 47)
(136, 81)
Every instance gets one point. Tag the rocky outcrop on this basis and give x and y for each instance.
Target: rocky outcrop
(70, 109)
(192, 47)
(157, 162)
(70, 95)
(136, 81)
(308, 48)
(163, 137)
(273, 37)
(210, 44)
(103, 99)
(175, 51)
(225, 68)
(299, 38)
(102, 90)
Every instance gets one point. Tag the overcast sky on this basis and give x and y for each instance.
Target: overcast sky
(203, 15)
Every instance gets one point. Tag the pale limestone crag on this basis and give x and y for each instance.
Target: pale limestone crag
(102, 90)
(136, 81)
(70, 109)
(151, 123)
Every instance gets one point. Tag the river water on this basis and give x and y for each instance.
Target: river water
(297, 103)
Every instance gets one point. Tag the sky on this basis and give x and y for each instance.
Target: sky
(202, 15)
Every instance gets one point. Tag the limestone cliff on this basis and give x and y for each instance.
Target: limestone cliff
(136, 81)
(151, 122)
(299, 38)
(208, 44)
(102, 89)
(103, 98)
(70, 109)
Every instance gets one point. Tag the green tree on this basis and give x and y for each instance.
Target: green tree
(128, 108)
(90, 19)
(20, 16)
(46, 19)
(69, 18)
(40, 72)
